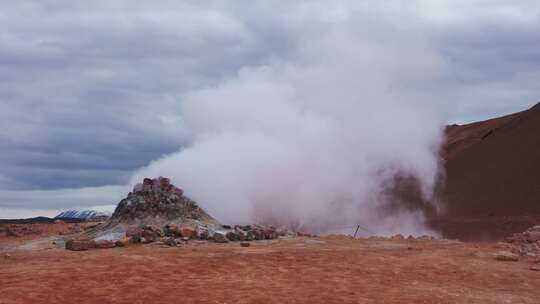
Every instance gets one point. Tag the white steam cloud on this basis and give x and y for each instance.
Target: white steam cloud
(312, 140)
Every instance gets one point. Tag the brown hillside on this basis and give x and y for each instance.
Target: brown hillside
(493, 166)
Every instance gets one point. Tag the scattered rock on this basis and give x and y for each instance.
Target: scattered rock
(170, 242)
(532, 236)
(535, 267)
(232, 236)
(203, 234)
(526, 243)
(123, 242)
(506, 256)
(80, 245)
(149, 235)
(102, 244)
(172, 230)
(219, 237)
(188, 232)
(157, 210)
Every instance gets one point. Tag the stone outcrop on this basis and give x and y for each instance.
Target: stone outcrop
(80, 245)
(156, 210)
(526, 243)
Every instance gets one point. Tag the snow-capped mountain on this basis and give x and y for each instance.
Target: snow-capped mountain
(81, 214)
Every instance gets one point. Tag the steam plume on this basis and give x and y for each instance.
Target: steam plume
(311, 140)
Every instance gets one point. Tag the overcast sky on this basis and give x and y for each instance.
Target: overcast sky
(91, 91)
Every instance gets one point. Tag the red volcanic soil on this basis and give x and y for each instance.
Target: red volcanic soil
(493, 166)
(39, 230)
(330, 270)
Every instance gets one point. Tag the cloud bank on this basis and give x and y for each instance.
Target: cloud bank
(91, 91)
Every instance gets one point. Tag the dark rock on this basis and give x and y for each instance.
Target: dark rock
(188, 232)
(232, 236)
(532, 236)
(245, 244)
(171, 230)
(170, 242)
(219, 237)
(134, 232)
(149, 236)
(203, 234)
(80, 245)
(506, 256)
(123, 242)
(102, 244)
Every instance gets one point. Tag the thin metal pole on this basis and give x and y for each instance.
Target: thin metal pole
(357, 227)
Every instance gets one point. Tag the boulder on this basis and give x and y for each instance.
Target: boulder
(172, 230)
(105, 244)
(506, 256)
(134, 232)
(123, 242)
(170, 241)
(219, 237)
(257, 234)
(532, 236)
(270, 234)
(242, 234)
(232, 236)
(535, 228)
(149, 236)
(203, 234)
(80, 245)
(188, 231)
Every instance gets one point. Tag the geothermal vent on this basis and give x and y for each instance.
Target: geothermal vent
(155, 203)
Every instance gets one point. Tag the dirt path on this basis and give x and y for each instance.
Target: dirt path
(339, 270)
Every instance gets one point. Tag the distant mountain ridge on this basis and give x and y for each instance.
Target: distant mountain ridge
(81, 214)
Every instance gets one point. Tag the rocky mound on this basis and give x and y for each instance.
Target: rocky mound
(157, 201)
(156, 210)
(152, 205)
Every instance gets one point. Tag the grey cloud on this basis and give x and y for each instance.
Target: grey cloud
(90, 92)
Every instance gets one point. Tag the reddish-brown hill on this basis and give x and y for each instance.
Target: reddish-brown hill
(493, 166)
